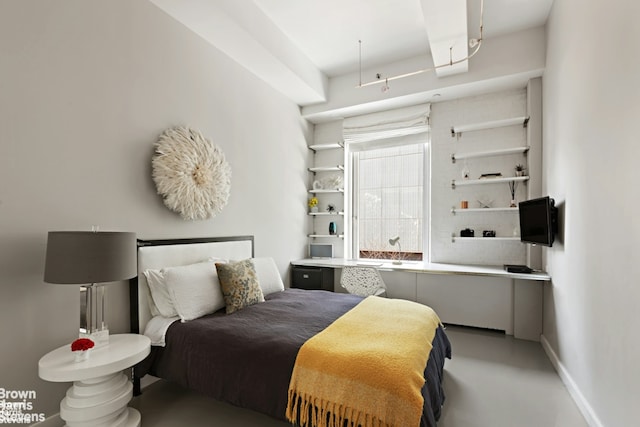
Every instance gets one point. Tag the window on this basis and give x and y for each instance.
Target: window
(388, 201)
(387, 184)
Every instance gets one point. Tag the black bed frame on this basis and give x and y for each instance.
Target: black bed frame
(134, 318)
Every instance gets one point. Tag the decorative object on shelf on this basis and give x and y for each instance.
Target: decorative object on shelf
(467, 232)
(90, 259)
(488, 233)
(333, 182)
(520, 169)
(396, 241)
(331, 209)
(333, 228)
(513, 185)
(490, 175)
(320, 250)
(313, 204)
(465, 171)
(464, 204)
(191, 173)
(81, 349)
(317, 185)
(485, 202)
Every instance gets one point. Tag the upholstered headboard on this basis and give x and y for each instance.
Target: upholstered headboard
(156, 254)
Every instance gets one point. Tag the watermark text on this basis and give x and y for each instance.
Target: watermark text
(16, 407)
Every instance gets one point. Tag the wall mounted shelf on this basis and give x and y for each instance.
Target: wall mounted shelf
(501, 152)
(327, 168)
(485, 239)
(338, 190)
(456, 130)
(326, 213)
(330, 146)
(330, 164)
(477, 210)
(458, 183)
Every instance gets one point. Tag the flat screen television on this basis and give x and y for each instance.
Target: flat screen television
(538, 221)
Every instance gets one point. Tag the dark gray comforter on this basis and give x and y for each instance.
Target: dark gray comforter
(246, 358)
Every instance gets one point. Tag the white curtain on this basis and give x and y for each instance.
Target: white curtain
(370, 130)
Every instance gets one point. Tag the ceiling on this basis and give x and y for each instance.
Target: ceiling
(302, 47)
(327, 31)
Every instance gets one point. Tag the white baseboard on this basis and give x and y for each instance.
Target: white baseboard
(583, 405)
(52, 421)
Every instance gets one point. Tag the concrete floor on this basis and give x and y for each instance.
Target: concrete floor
(493, 380)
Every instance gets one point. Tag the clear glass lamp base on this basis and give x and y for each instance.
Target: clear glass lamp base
(99, 338)
(92, 314)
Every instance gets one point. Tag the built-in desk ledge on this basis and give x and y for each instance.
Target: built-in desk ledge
(423, 267)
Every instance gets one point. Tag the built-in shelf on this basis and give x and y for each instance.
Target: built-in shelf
(458, 183)
(338, 190)
(476, 210)
(329, 146)
(326, 213)
(337, 216)
(455, 130)
(501, 152)
(493, 239)
(327, 168)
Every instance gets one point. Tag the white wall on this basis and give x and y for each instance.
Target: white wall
(591, 109)
(86, 89)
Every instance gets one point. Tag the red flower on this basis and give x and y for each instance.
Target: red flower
(81, 344)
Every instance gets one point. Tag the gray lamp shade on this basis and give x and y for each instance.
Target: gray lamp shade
(80, 257)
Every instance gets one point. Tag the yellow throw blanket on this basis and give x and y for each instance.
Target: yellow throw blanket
(367, 367)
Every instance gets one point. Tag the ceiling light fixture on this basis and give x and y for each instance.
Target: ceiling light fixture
(473, 44)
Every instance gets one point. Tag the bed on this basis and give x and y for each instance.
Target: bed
(251, 357)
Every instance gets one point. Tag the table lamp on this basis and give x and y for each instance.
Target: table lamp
(393, 242)
(90, 259)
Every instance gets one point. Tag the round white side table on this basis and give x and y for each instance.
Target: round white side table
(100, 392)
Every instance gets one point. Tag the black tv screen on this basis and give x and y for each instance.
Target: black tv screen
(538, 221)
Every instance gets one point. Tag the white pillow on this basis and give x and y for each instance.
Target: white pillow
(161, 301)
(195, 289)
(268, 275)
(160, 294)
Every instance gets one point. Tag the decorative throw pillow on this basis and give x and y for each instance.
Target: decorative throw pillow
(268, 275)
(239, 283)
